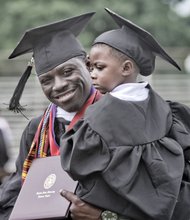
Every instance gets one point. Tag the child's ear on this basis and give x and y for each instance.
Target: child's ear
(127, 67)
(87, 62)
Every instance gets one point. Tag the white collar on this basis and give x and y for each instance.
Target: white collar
(68, 116)
(131, 91)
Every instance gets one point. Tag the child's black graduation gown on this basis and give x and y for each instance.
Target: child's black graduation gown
(128, 156)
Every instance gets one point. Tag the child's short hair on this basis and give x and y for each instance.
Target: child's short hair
(117, 54)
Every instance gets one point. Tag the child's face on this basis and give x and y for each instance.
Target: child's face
(106, 70)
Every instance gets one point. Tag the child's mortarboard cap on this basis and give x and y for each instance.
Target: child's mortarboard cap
(51, 45)
(135, 42)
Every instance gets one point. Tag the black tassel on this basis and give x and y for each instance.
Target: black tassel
(14, 104)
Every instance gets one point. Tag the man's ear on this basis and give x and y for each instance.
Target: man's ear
(127, 68)
(87, 62)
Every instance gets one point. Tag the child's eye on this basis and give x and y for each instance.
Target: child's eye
(98, 67)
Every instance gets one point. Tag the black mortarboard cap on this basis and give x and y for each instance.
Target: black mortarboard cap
(51, 45)
(54, 43)
(135, 42)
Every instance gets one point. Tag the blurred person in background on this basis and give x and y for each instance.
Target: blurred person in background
(5, 144)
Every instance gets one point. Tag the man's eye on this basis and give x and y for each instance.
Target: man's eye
(45, 81)
(68, 71)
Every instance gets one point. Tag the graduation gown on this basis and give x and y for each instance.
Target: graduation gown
(10, 189)
(128, 156)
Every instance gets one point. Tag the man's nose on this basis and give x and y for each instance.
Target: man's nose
(59, 83)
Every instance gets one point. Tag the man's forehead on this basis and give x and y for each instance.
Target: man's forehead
(74, 62)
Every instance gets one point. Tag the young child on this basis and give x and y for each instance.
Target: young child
(126, 152)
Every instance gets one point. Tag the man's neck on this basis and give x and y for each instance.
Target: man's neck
(61, 113)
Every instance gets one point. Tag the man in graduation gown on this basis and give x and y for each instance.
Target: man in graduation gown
(60, 63)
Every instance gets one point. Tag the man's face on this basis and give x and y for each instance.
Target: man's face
(67, 85)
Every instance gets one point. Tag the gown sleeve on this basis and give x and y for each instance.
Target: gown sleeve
(149, 172)
(181, 132)
(10, 188)
(83, 152)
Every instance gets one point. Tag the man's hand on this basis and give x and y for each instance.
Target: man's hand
(79, 209)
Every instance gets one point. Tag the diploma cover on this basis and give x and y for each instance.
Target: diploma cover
(39, 197)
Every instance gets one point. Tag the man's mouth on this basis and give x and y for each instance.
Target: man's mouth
(65, 96)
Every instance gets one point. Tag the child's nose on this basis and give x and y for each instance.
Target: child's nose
(93, 74)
